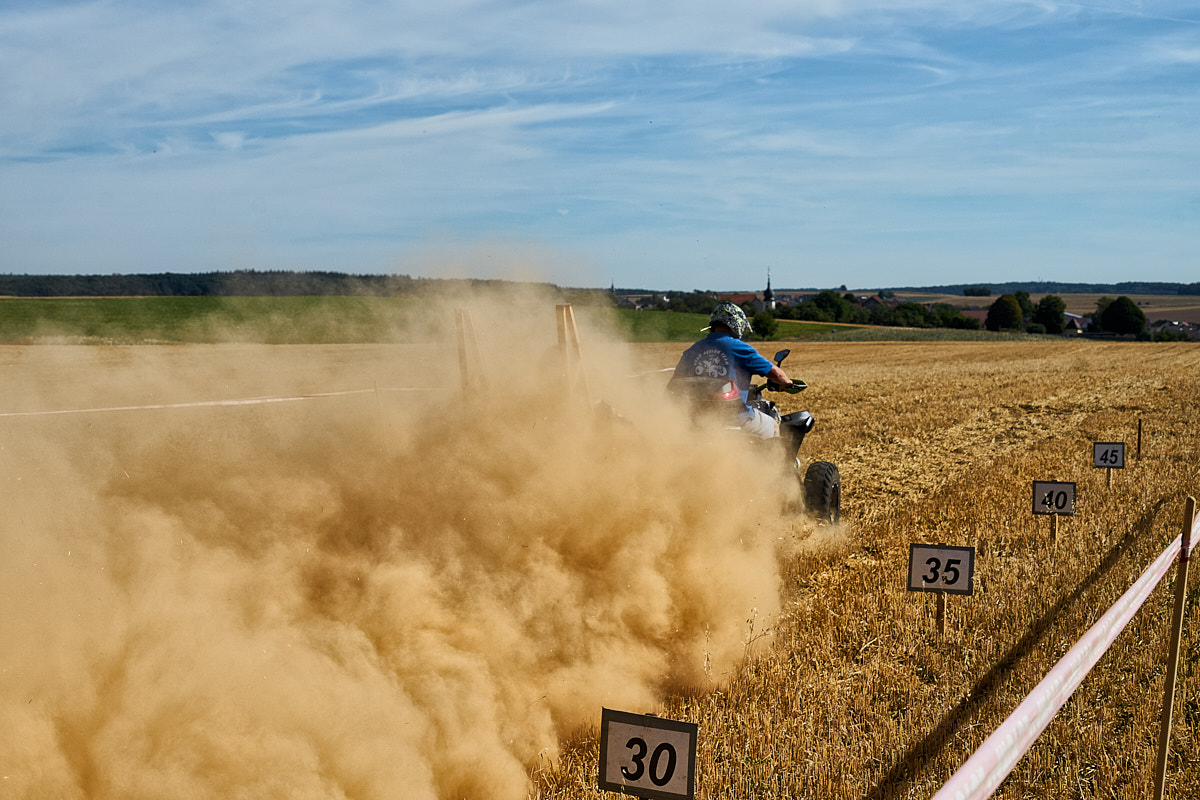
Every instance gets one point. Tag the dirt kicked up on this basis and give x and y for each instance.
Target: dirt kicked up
(394, 588)
(355, 581)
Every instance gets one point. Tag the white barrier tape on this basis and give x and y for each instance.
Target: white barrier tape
(1191, 544)
(996, 757)
(206, 403)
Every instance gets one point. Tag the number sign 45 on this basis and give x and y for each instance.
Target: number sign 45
(1108, 455)
(647, 756)
(941, 568)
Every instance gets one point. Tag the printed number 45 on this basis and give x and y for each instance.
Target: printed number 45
(936, 570)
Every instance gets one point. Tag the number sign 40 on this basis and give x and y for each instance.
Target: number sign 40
(1054, 497)
(941, 568)
(647, 756)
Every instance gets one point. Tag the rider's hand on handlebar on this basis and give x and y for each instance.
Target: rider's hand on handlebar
(778, 381)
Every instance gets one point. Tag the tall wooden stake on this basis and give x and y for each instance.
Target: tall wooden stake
(1164, 731)
(941, 615)
(572, 353)
(468, 351)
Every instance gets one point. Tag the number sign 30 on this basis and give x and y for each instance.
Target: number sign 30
(647, 756)
(941, 568)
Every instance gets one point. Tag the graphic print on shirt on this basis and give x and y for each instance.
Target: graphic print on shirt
(712, 363)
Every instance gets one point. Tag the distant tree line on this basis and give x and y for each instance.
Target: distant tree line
(1120, 316)
(836, 306)
(1057, 287)
(242, 283)
(253, 283)
(693, 302)
(249, 283)
(1114, 316)
(830, 306)
(1017, 312)
(1012, 311)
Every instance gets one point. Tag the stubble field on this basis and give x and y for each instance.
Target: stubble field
(398, 592)
(939, 443)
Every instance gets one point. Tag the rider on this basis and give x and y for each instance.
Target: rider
(723, 354)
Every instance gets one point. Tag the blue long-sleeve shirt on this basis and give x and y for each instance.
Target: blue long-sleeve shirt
(720, 355)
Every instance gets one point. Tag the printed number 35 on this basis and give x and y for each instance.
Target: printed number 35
(935, 571)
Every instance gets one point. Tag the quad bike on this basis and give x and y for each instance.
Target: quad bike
(720, 398)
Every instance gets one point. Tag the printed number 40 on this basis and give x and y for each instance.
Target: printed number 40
(1057, 500)
(936, 570)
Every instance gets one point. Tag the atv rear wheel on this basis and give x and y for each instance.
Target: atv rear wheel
(823, 491)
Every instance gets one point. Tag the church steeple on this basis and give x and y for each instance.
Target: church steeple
(768, 295)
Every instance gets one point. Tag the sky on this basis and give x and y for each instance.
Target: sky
(670, 145)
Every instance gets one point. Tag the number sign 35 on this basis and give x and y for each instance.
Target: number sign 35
(647, 756)
(941, 568)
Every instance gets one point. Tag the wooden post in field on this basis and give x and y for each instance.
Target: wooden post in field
(468, 350)
(1054, 498)
(942, 569)
(1164, 731)
(1108, 456)
(572, 353)
(464, 373)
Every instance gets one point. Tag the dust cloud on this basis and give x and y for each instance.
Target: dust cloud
(413, 591)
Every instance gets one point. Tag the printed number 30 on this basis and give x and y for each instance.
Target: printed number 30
(660, 774)
(935, 569)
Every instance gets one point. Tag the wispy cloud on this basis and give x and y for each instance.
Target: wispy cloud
(345, 135)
